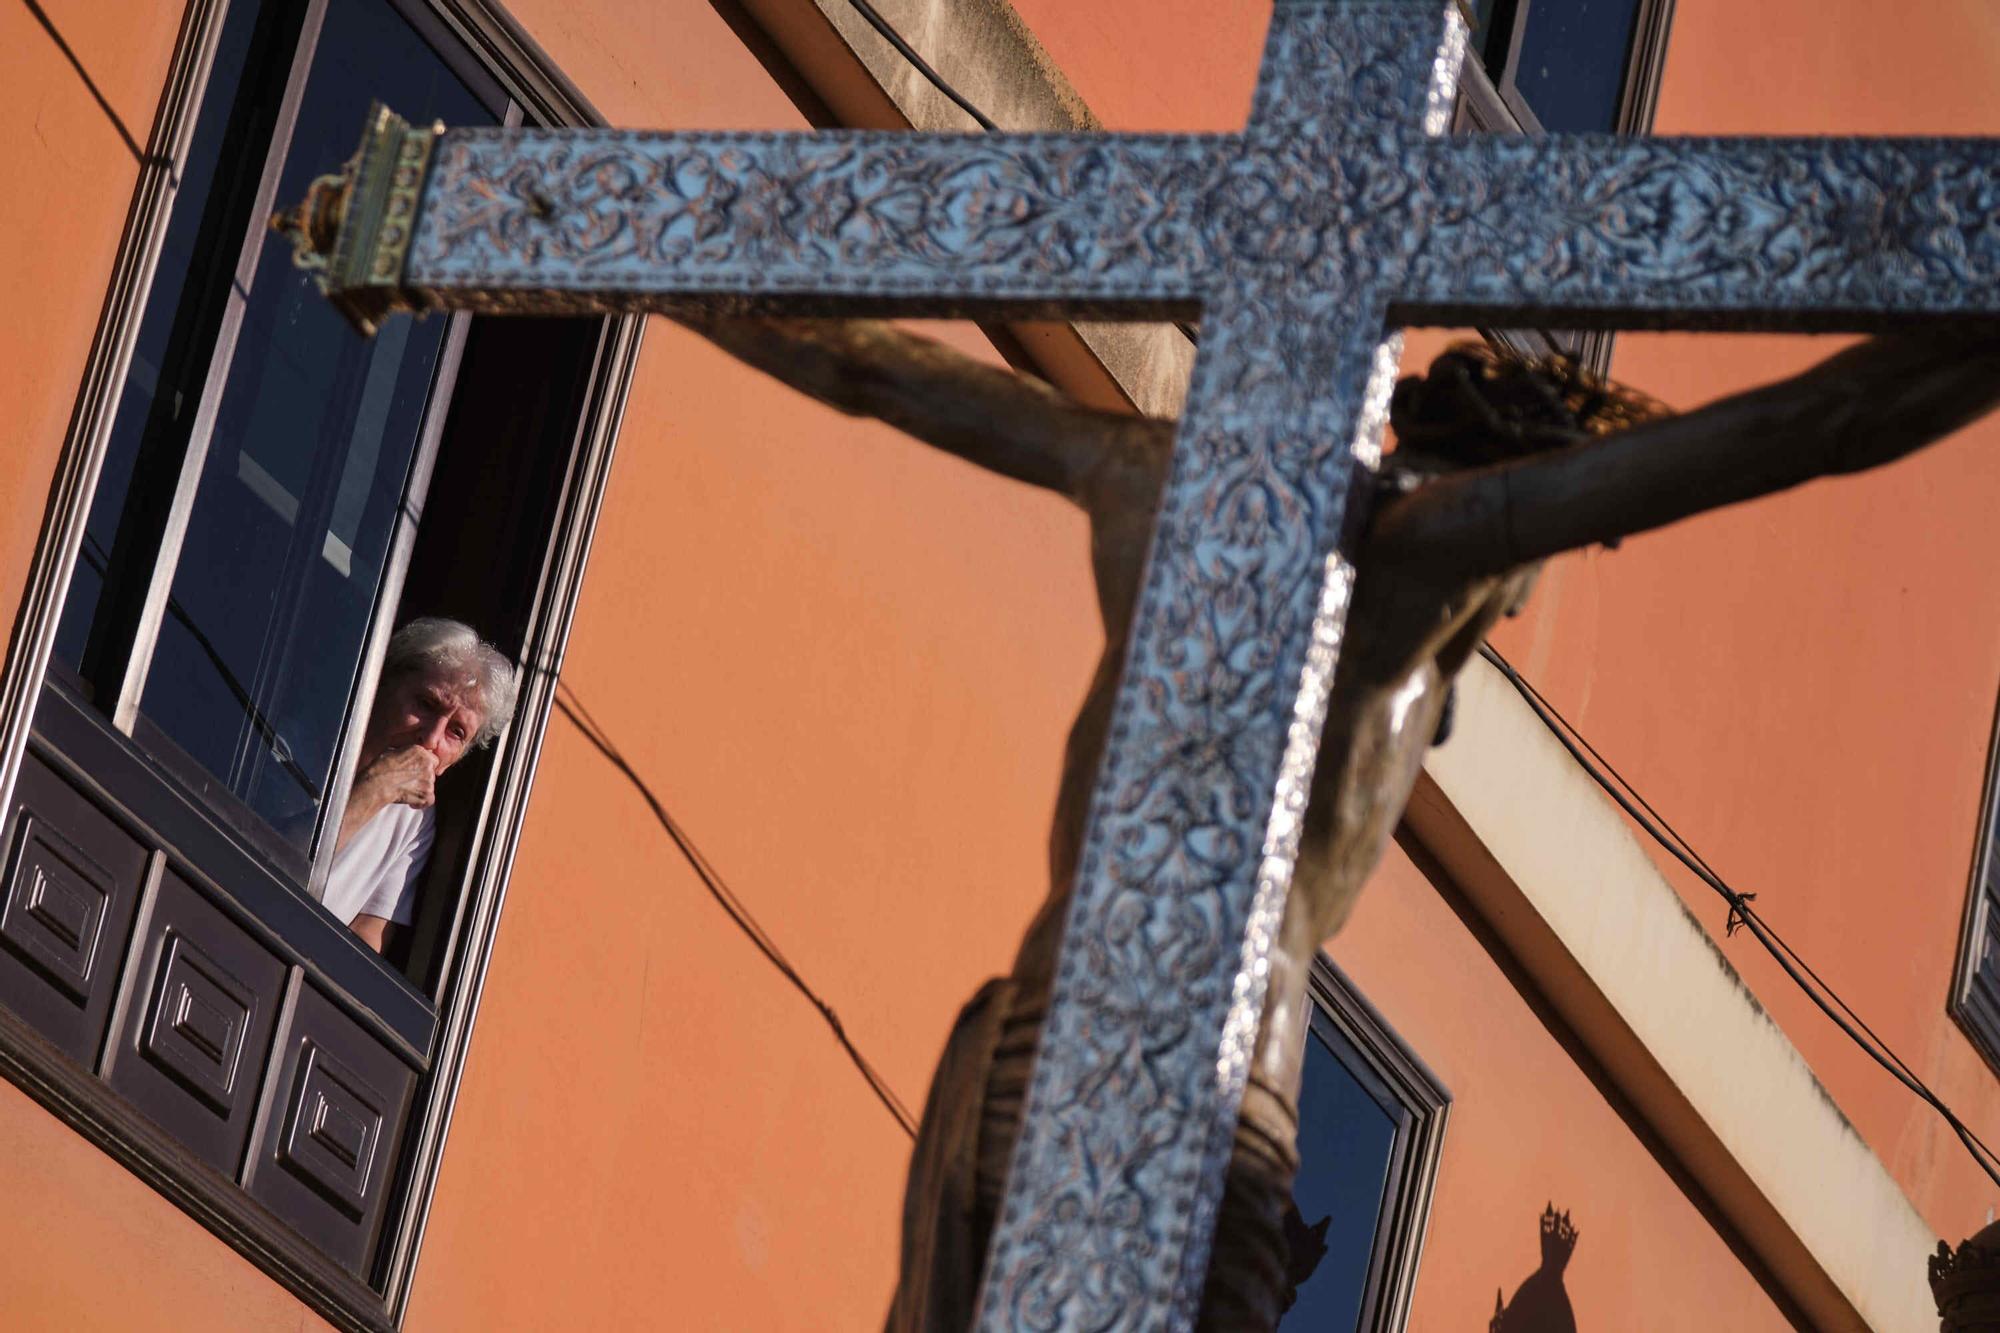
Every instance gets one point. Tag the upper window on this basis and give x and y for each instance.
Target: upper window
(1371, 1125)
(255, 497)
(1565, 66)
(266, 468)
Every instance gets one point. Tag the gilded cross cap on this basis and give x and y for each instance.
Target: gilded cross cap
(1339, 213)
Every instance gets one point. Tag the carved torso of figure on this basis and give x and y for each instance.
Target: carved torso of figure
(1407, 636)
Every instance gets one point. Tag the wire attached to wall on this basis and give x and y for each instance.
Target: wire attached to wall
(732, 906)
(1741, 913)
(918, 63)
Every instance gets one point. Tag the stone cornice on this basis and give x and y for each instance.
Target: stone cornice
(1552, 867)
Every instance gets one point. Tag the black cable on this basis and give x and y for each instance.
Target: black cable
(1697, 864)
(1822, 994)
(1816, 989)
(732, 906)
(917, 62)
(1679, 847)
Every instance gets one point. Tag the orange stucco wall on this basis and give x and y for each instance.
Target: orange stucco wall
(71, 177)
(846, 664)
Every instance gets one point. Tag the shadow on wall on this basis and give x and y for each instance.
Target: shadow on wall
(1540, 1304)
(90, 85)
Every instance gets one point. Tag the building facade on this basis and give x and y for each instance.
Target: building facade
(591, 1087)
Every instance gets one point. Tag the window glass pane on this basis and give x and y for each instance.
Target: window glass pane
(1345, 1142)
(304, 472)
(1573, 57)
(156, 407)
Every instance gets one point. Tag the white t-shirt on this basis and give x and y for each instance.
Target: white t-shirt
(376, 873)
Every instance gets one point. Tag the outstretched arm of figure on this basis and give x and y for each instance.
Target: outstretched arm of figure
(1007, 423)
(1868, 405)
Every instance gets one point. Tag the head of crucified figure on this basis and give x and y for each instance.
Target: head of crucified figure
(1480, 404)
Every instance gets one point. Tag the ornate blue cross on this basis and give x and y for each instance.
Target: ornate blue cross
(1339, 213)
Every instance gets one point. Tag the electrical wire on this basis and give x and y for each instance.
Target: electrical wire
(1601, 771)
(918, 63)
(572, 708)
(1741, 913)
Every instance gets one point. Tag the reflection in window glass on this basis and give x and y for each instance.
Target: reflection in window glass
(1346, 1138)
(304, 472)
(156, 408)
(1572, 63)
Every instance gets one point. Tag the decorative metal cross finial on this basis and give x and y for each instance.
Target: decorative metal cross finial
(1337, 213)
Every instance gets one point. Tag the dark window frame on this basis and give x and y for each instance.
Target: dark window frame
(1424, 1106)
(1974, 999)
(432, 1035)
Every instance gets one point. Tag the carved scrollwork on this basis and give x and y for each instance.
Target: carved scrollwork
(1800, 233)
(1063, 220)
(1157, 992)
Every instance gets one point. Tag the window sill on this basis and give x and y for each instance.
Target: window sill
(77, 741)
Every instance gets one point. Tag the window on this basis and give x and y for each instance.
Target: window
(1371, 1125)
(253, 493)
(252, 497)
(1563, 66)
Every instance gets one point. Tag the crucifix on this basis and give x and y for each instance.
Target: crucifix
(1341, 212)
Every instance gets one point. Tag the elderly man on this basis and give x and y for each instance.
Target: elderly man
(443, 692)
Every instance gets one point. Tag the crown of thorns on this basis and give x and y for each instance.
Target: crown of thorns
(1478, 404)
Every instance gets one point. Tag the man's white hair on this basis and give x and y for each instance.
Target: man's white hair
(453, 648)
